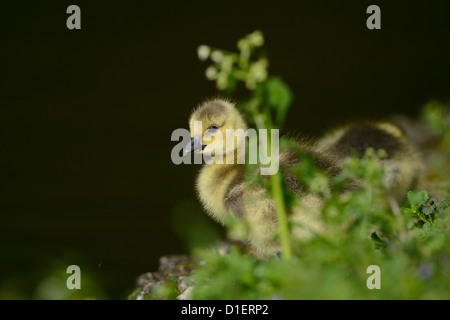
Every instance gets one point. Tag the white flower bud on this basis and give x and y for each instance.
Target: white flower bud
(211, 73)
(256, 38)
(258, 70)
(203, 52)
(217, 56)
(222, 81)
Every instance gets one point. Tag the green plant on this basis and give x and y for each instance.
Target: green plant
(365, 227)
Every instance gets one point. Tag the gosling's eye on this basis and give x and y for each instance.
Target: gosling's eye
(212, 129)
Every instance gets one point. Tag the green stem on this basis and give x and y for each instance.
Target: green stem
(283, 230)
(264, 120)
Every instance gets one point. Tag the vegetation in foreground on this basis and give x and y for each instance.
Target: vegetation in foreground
(409, 242)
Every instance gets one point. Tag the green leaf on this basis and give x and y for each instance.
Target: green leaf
(377, 241)
(416, 198)
(427, 227)
(408, 212)
(433, 116)
(279, 97)
(444, 204)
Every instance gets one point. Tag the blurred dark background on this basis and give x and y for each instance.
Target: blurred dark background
(87, 115)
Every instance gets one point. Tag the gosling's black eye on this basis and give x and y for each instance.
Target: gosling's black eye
(212, 128)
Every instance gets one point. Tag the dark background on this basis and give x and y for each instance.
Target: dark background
(87, 115)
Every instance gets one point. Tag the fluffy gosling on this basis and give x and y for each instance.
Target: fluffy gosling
(222, 189)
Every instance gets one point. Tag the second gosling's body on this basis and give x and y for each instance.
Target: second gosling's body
(223, 191)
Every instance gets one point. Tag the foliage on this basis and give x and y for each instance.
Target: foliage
(409, 242)
(413, 257)
(437, 118)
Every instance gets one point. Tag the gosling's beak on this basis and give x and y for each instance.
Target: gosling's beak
(194, 144)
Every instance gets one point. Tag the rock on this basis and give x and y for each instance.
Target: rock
(186, 295)
(175, 269)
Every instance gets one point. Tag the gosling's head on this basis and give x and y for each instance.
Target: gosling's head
(208, 127)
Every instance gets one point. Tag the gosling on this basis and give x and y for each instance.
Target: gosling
(223, 191)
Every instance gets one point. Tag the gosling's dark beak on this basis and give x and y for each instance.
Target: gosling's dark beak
(194, 144)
